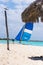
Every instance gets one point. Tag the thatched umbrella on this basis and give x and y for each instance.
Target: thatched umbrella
(33, 12)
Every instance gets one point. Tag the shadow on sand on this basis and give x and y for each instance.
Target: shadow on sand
(36, 58)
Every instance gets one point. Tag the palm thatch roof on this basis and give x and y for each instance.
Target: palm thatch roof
(33, 12)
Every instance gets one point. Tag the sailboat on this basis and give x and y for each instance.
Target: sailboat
(25, 33)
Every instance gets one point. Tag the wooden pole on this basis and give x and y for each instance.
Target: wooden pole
(6, 29)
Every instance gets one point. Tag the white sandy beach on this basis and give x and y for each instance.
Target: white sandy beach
(18, 54)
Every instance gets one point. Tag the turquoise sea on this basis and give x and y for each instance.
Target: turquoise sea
(5, 41)
(33, 43)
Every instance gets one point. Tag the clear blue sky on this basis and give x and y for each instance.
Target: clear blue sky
(15, 8)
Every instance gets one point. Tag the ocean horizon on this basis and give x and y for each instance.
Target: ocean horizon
(33, 43)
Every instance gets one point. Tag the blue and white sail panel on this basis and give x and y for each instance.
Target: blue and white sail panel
(27, 32)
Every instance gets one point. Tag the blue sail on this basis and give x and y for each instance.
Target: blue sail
(25, 33)
(19, 35)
